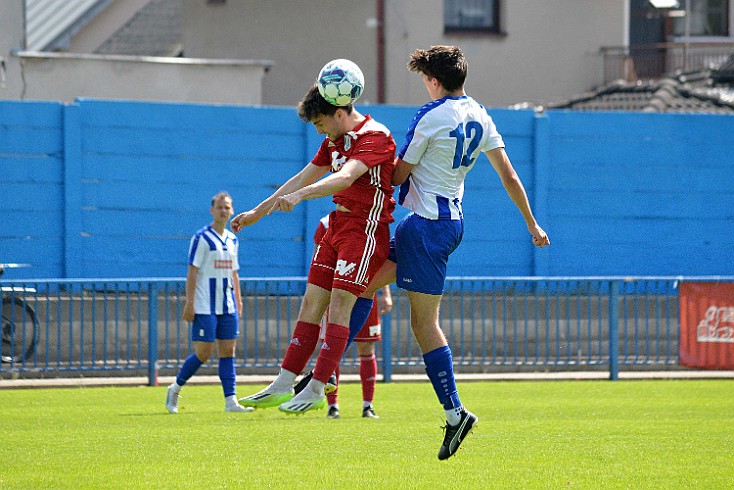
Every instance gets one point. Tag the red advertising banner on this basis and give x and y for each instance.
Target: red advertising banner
(707, 325)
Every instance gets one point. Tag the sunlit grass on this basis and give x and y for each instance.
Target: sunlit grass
(578, 434)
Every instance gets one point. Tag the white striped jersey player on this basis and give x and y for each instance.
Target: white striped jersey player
(446, 136)
(216, 258)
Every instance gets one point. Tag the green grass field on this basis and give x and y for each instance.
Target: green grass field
(571, 434)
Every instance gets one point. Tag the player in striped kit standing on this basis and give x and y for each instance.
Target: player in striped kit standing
(213, 303)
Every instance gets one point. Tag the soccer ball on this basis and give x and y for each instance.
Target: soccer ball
(340, 82)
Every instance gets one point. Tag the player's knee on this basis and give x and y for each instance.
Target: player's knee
(204, 351)
(227, 348)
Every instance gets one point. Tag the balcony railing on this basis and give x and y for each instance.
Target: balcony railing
(653, 61)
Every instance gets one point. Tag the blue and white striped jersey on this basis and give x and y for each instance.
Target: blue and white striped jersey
(216, 258)
(444, 140)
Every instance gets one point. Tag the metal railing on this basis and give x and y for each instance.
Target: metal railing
(653, 61)
(493, 324)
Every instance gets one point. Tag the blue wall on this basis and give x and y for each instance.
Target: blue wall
(115, 189)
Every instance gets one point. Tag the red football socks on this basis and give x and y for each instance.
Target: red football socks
(332, 350)
(303, 343)
(368, 376)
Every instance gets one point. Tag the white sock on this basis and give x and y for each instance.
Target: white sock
(453, 416)
(366, 404)
(315, 386)
(176, 387)
(285, 379)
(231, 401)
(336, 405)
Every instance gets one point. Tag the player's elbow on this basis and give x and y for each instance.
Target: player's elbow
(400, 175)
(398, 179)
(511, 182)
(341, 182)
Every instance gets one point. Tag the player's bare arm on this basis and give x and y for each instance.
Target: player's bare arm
(308, 175)
(237, 292)
(188, 312)
(351, 171)
(512, 184)
(402, 170)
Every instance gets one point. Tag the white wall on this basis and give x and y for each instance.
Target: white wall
(299, 36)
(551, 47)
(64, 77)
(11, 37)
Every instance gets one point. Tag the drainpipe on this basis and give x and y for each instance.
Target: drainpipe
(380, 51)
(687, 43)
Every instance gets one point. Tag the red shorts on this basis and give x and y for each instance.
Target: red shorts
(349, 255)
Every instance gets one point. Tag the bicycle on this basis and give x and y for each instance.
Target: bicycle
(20, 330)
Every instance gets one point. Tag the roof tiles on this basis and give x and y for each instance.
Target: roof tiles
(699, 92)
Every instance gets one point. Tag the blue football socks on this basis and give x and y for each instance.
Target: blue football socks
(227, 375)
(360, 313)
(190, 366)
(440, 370)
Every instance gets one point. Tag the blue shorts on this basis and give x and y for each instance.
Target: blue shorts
(421, 249)
(207, 328)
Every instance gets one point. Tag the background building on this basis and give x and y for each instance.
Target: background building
(267, 51)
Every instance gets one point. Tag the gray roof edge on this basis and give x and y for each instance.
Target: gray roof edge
(150, 59)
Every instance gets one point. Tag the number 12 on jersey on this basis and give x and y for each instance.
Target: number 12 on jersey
(472, 132)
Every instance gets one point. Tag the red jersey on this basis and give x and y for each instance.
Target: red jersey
(370, 196)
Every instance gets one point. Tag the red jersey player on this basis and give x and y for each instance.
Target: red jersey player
(360, 154)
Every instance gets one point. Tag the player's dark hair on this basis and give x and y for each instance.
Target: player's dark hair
(444, 63)
(313, 105)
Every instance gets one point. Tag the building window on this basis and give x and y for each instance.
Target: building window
(472, 15)
(708, 18)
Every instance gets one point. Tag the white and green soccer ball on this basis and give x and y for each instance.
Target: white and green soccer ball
(340, 82)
